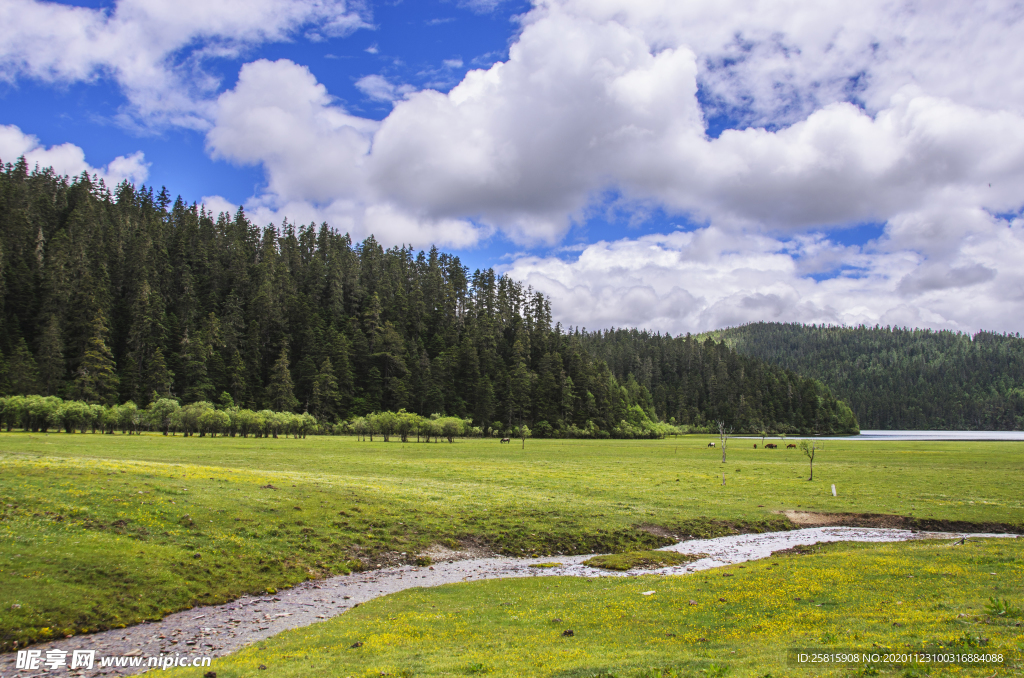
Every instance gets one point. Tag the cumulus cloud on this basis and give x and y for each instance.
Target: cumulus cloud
(388, 223)
(216, 204)
(68, 159)
(280, 117)
(604, 96)
(901, 112)
(776, 61)
(155, 49)
(314, 153)
(711, 278)
(378, 87)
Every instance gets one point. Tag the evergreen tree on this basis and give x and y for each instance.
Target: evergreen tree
(96, 380)
(196, 382)
(22, 373)
(237, 385)
(159, 379)
(483, 410)
(325, 402)
(280, 390)
(51, 358)
(193, 305)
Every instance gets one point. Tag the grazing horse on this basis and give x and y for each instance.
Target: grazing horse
(755, 446)
(506, 440)
(711, 444)
(770, 446)
(791, 446)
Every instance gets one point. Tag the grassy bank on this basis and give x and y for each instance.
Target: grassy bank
(99, 531)
(738, 621)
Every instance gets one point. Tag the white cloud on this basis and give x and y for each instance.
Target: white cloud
(902, 112)
(592, 99)
(840, 166)
(603, 95)
(279, 116)
(313, 153)
(68, 159)
(216, 204)
(379, 88)
(711, 278)
(154, 49)
(782, 59)
(524, 145)
(389, 224)
(480, 6)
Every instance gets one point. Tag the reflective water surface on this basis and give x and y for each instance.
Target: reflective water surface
(923, 435)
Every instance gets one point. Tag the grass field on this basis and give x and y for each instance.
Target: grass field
(101, 531)
(737, 621)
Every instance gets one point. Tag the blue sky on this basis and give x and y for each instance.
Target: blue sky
(408, 40)
(675, 165)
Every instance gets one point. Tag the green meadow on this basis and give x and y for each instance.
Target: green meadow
(734, 621)
(101, 531)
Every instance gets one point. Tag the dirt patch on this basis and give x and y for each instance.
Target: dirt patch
(660, 531)
(813, 519)
(439, 553)
(710, 528)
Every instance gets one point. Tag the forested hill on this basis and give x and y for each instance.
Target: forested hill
(130, 296)
(897, 378)
(699, 382)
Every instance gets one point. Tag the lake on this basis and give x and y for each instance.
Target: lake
(918, 435)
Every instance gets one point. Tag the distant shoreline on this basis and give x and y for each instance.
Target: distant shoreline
(936, 436)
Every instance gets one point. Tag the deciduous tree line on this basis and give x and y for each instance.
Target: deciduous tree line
(129, 296)
(42, 413)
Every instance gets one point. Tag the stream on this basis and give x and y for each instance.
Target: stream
(215, 631)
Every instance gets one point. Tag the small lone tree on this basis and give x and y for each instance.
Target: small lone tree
(724, 434)
(808, 449)
(524, 433)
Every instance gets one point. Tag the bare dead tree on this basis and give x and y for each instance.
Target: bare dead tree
(723, 434)
(809, 450)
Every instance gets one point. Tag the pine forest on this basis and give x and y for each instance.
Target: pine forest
(120, 297)
(902, 379)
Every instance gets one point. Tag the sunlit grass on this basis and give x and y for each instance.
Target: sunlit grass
(98, 530)
(738, 620)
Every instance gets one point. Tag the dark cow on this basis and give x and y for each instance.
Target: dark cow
(755, 446)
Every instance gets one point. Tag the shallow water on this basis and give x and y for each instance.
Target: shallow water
(913, 435)
(221, 629)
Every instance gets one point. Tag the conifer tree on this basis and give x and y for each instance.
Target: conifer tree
(483, 410)
(280, 390)
(196, 378)
(325, 401)
(96, 380)
(159, 379)
(237, 385)
(193, 305)
(22, 374)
